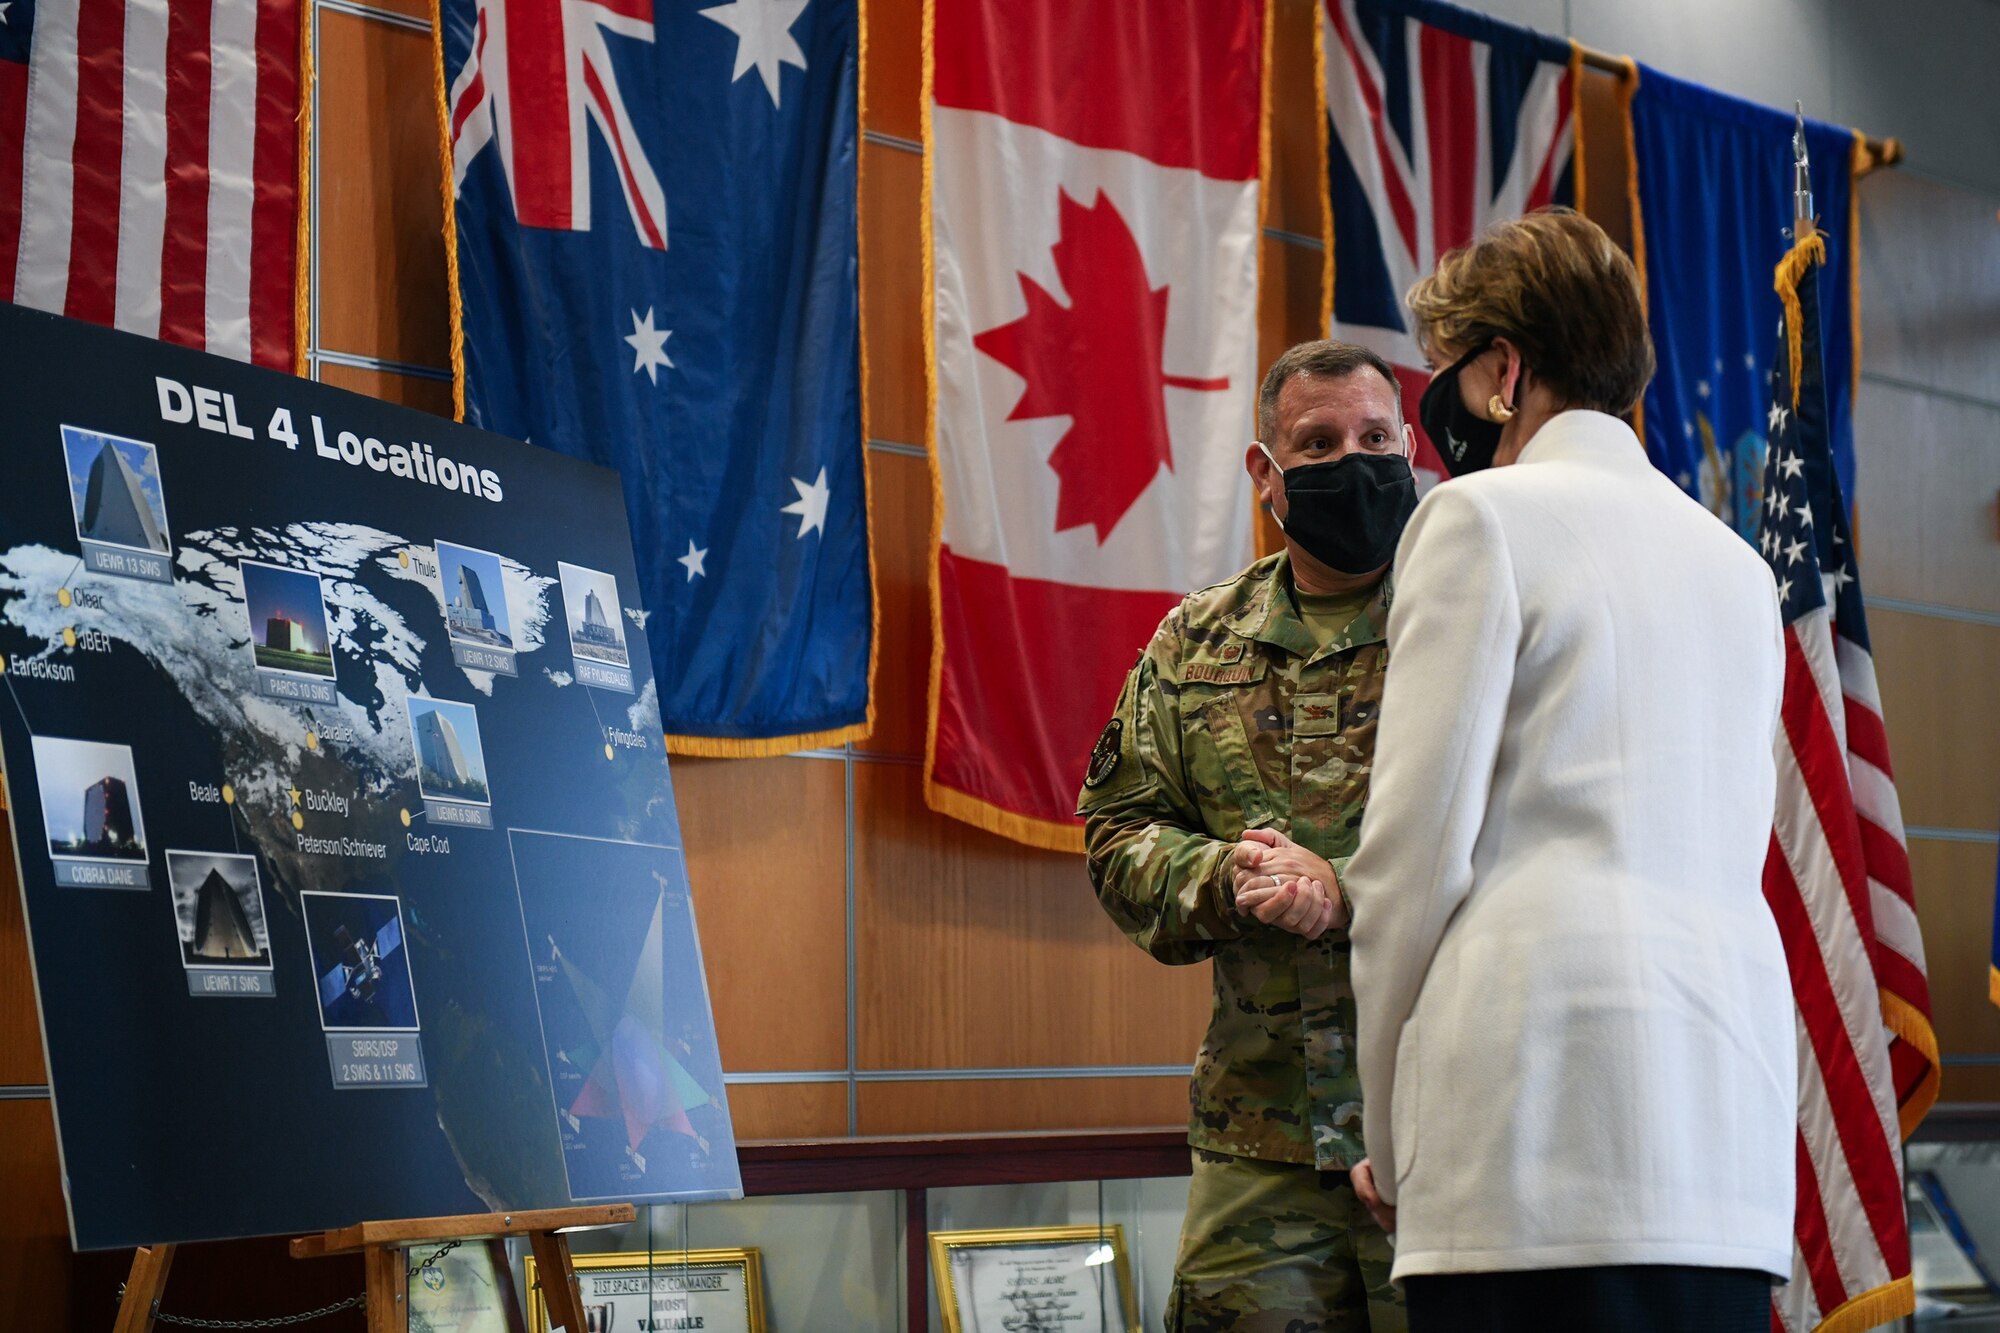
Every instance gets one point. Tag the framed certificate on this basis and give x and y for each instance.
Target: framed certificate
(469, 1289)
(716, 1291)
(1075, 1279)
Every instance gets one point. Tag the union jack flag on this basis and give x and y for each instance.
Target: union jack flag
(539, 76)
(1837, 877)
(1441, 122)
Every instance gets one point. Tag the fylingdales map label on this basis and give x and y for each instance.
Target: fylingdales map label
(335, 809)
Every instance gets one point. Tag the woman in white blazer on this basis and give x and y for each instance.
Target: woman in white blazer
(1575, 1029)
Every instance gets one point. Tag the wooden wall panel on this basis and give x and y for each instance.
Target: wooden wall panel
(998, 1106)
(1937, 699)
(1970, 1083)
(20, 1021)
(1954, 882)
(974, 952)
(1606, 159)
(381, 239)
(892, 291)
(900, 496)
(788, 1110)
(1295, 203)
(34, 1230)
(894, 94)
(426, 395)
(771, 906)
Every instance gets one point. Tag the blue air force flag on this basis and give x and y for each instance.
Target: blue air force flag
(658, 271)
(1715, 196)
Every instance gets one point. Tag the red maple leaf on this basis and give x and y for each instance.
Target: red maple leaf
(1096, 361)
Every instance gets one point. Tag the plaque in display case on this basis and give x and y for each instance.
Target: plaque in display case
(1025, 1280)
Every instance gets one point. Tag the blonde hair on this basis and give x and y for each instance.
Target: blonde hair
(1560, 290)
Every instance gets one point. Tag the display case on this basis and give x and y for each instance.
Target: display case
(849, 1233)
(1951, 1183)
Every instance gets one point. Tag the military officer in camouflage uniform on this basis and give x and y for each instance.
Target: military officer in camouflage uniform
(1220, 803)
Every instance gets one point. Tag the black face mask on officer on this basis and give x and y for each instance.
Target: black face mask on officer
(1465, 440)
(1350, 513)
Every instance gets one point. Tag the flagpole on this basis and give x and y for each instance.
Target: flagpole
(1883, 152)
(1802, 200)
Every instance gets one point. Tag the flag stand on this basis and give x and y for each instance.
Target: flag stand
(381, 1245)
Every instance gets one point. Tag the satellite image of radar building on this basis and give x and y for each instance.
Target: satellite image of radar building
(90, 811)
(119, 508)
(596, 627)
(451, 762)
(476, 616)
(224, 938)
(289, 640)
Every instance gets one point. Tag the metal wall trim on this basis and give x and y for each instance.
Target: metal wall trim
(395, 18)
(1991, 837)
(359, 361)
(1934, 610)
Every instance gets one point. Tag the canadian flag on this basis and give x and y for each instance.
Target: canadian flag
(1094, 211)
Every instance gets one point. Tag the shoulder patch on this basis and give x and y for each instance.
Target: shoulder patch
(1106, 754)
(1207, 673)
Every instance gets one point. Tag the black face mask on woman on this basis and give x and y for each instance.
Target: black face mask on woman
(1466, 441)
(1350, 513)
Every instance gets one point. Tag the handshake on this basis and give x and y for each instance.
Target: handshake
(1282, 884)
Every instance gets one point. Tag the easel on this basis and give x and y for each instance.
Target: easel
(381, 1245)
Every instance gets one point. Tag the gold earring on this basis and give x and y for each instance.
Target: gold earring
(1499, 410)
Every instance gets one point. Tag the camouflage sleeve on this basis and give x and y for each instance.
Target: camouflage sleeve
(1159, 876)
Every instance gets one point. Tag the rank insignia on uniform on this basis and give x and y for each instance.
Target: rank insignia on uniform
(1104, 757)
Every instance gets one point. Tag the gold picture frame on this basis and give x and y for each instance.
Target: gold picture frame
(1049, 1274)
(665, 1273)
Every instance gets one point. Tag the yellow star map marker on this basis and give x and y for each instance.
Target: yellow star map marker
(295, 796)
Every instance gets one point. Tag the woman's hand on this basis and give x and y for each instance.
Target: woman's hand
(1362, 1177)
(1302, 906)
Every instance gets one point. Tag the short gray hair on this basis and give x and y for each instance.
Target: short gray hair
(1323, 357)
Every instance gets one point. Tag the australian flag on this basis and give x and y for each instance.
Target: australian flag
(1713, 171)
(658, 269)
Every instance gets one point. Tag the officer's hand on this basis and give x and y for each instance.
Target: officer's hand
(1362, 1177)
(1302, 906)
(1284, 858)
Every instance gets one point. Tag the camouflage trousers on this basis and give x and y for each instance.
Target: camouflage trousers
(1279, 1247)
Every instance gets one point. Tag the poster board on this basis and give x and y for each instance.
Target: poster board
(350, 860)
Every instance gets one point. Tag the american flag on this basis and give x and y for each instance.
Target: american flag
(1441, 122)
(149, 154)
(1838, 879)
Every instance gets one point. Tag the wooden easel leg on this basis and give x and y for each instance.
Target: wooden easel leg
(143, 1288)
(560, 1293)
(388, 1289)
